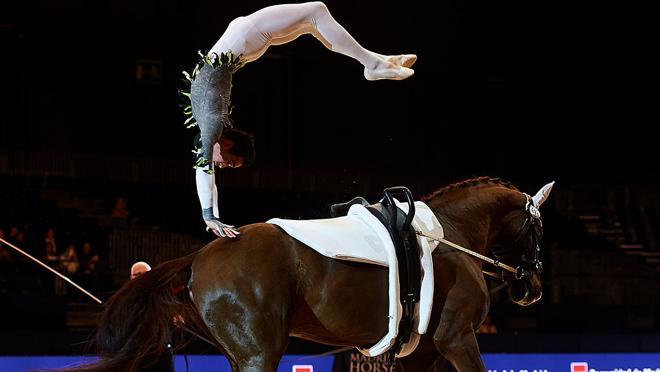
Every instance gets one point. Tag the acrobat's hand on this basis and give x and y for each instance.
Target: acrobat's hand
(220, 229)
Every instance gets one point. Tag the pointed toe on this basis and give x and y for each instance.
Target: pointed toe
(390, 73)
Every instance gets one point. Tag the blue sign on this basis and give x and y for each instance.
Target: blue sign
(196, 363)
(610, 362)
(606, 362)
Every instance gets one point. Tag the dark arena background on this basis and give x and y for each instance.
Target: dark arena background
(530, 92)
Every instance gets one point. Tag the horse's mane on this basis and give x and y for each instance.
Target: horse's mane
(469, 183)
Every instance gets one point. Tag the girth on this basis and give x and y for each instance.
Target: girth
(398, 224)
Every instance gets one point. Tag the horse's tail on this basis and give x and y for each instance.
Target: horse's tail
(137, 322)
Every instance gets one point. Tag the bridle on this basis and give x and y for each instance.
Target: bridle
(531, 259)
(531, 227)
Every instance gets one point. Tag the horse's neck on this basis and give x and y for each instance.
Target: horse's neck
(472, 220)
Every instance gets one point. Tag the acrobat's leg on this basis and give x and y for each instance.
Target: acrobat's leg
(280, 24)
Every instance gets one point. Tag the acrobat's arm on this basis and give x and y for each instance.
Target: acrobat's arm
(208, 198)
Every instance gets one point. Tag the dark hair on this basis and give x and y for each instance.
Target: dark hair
(243, 145)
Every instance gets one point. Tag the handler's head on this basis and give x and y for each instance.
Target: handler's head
(139, 268)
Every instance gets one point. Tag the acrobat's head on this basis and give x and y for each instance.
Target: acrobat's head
(234, 149)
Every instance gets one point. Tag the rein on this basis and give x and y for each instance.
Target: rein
(471, 253)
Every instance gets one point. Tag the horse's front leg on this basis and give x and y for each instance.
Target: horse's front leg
(423, 358)
(465, 306)
(426, 358)
(460, 348)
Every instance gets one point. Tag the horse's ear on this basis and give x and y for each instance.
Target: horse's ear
(542, 194)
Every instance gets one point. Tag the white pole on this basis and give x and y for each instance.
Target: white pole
(51, 270)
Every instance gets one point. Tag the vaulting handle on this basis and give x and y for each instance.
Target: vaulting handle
(392, 206)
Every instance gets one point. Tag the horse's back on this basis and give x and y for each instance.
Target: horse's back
(258, 255)
(320, 298)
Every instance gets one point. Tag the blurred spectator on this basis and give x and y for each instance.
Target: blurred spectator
(50, 247)
(6, 271)
(88, 259)
(121, 208)
(28, 239)
(17, 274)
(13, 233)
(20, 240)
(120, 213)
(4, 251)
(22, 244)
(69, 260)
(88, 271)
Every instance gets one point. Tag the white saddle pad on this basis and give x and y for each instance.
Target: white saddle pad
(360, 236)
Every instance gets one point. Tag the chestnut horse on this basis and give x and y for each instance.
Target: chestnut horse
(250, 294)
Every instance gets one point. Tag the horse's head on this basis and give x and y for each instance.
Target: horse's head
(494, 219)
(518, 245)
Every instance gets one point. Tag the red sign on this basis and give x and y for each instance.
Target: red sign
(305, 368)
(579, 367)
